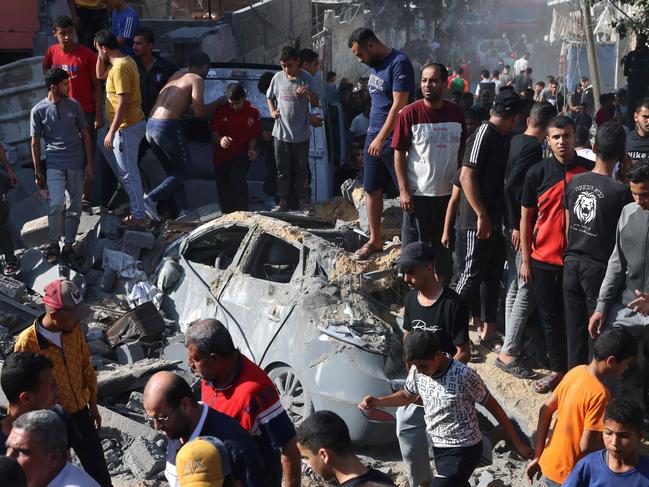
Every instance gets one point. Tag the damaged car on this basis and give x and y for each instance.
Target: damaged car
(322, 324)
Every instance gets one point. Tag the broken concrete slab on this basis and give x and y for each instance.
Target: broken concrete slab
(176, 352)
(35, 232)
(144, 459)
(133, 241)
(129, 353)
(116, 379)
(101, 348)
(135, 402)
(37, 273)
(108, 227)
(116, 425)
(143, 323)
(12, 288)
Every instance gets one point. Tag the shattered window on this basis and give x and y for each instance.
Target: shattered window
(274, 260)
(216, 248)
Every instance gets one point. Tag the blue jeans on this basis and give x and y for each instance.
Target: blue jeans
(126, 144)
(59, 219)
(520, 302)
(169, 144)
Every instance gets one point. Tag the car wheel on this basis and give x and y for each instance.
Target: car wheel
(294, 397)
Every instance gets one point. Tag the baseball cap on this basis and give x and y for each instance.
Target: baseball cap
(203, 462)
(415, 254)
(508, 102)
(63, 294)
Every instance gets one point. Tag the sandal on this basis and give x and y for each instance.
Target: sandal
(493, 343)
(547, 383)
(11, 267)
(52, 253)
(516, 369)
(366, 250)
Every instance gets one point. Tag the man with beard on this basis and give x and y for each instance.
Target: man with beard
(637, 143)
(433, 307)
(170, 407)
(428, 139)
(391, 86)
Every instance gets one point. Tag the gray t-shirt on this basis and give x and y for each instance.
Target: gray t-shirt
(449, 404)
(293, 122)
(59, 125)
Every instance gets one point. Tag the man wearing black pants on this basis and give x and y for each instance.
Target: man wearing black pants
(543, 230)
(479, 245)
(593, 205)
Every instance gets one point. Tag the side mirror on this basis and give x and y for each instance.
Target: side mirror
(169, 275)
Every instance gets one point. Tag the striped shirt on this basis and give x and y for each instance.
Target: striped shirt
(125, 24)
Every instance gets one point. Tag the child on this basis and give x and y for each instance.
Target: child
(324, 442)
(580, 399)
(620, 463)
(449, 390)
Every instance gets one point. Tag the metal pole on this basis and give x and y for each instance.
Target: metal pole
(590, 49)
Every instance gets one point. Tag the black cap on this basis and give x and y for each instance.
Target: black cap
(508, 102)
(415, 254)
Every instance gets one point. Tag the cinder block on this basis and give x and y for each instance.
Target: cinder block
(129, 353)
(34, 232)
(12, 288)
(144, 459)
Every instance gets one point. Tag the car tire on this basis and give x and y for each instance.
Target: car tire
(295, 398)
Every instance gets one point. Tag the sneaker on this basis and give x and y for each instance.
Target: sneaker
(150, 208)
(516, 369)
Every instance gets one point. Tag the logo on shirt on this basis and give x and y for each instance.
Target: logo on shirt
(422, 326)
(375, 83)
(585, 207)
(73, 71)
(251, 122)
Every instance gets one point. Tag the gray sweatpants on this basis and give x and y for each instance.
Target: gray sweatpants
(61, 220)
(413, 443)
(292, 162)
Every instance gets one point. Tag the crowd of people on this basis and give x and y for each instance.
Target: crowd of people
(500, 187)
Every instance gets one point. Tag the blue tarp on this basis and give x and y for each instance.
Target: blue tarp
(577, 65)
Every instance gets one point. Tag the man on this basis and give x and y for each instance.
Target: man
(449, 390)
(79, 62)
(624, 295)
(11, 265)
(289, 95)
(236, 129)
(485, 83)
(127, 126)
(154, 70)
(495, 78)
(555, 97)
(593, 203)
(525, 150)
(543, 230)
(521, 64)
(578, 115)
(606, 111)
(60, 122)
(361, 122)
(88, 16)
(38, 441)
(391, 86)
(456, 83)
(29, 384)
(310, 62)
(523, 81)
(637, 142)
(539, 92)
(506, 77)
(620, 462)
(435, 308)
(587, 96)
(57, 335)
(579, 401)
(426, 162)
(170, 406)
(235, 386)
(204, 462)
(324, 442)
(484, 104)
(125, 23)
(636, 70)
(479, 246)
(166, 135)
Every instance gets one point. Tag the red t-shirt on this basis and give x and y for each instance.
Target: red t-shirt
(80, 66)
(241, 126)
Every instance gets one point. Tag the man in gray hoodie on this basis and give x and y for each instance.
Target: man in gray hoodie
(624, 294)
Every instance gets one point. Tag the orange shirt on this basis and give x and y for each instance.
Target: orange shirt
(582, 401)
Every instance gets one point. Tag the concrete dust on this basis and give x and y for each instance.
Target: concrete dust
(338, 208)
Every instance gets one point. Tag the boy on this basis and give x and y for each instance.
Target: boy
(580, 399)
(449, 390)
(289, 95)
(620, 462)
(324, 442)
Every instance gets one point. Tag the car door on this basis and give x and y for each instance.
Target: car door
(262, 297)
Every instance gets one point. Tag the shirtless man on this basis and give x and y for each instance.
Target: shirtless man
(165, 134)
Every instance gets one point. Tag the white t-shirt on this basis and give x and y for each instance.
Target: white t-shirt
(360, 124)
(72, 476)
(449, 404)
(52, 336)
(520, 65)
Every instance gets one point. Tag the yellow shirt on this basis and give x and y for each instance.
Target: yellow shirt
(90, 3)
(123, 78)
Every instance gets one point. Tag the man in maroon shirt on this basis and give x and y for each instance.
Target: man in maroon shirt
(79, 62)
(235, 129)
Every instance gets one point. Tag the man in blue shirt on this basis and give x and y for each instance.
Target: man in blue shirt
(391, 86)
(125, 23)
(620, 463)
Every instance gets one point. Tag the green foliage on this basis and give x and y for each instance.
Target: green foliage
(639, 23)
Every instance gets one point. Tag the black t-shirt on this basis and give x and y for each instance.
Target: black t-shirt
(372, 477)
(486, 152)
(448, 317)
(637, 147)
(524, 152)
(594, 203)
